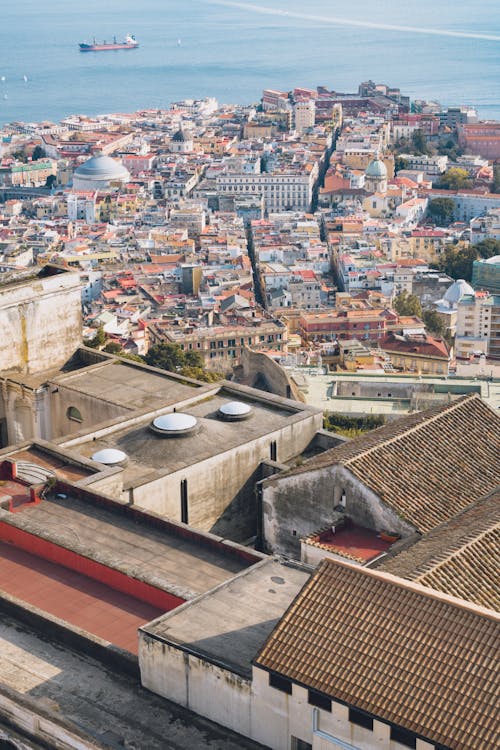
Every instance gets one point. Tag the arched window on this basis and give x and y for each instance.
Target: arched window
(74, 414)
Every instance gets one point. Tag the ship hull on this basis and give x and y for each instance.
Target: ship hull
(105, 47)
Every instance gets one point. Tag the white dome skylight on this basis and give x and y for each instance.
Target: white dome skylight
(109, 456)
(174, 424)
(235, 410)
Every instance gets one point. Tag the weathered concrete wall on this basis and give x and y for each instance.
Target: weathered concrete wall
(93, 411)
(43, 318)
(40, 724)
(221, 496)
(26, 411)
(260, 368)
(209, 690)
(254, 708)
(297, 505)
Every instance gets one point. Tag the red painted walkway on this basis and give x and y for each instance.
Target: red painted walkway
(73, 597)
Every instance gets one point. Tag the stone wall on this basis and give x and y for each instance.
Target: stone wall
(221, 489)
(43, 317)
(261, 371)
(297, 505)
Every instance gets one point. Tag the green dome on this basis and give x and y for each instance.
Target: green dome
(377, 168)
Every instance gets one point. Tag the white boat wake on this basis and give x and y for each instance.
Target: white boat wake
(335, 21)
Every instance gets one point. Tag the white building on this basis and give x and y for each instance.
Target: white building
(283, 190)
(304, 113)
(474, 314)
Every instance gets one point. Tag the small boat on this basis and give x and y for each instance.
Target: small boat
(25, 79)
(130, 42)
(179, 42)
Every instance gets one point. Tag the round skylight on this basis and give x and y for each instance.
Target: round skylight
(109, 456)
(174, 424)
(235, 410)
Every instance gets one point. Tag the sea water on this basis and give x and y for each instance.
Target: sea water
(433, 49)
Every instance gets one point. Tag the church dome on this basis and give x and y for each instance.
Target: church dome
(99, 171)
(377, 169)
(179, 137)
(456, 291)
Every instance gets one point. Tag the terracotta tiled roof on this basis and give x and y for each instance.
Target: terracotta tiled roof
(409, 655)
(427, 466)
(460, 557)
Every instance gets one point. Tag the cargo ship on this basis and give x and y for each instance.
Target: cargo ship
(130, 42)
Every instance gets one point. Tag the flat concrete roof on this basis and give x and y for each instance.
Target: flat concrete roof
(316, 389)
(228, 625)
(128, 385)
(185, 567)
(96, 699)
(150, 454)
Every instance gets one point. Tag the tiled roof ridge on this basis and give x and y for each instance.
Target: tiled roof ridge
(419, 425)
(444, 558)
(414, 586)
(456, 548)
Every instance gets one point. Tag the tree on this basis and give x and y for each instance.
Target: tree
(455, 178)
(496, 179)
(457, 261)
(400, 163)
(166, 356)
(488, 248)
(112, 347)
(442, 210)
(433, 322)
(408, 304)
(50, 181)
(38, 153)
(99, 339)
(172, 357)
(419, 142)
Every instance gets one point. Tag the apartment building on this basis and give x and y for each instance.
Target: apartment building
(222, 346)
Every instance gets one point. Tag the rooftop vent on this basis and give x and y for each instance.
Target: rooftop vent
(175, 424)
(109, 456)
(235, 411)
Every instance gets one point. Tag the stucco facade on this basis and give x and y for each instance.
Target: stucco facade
(297, 505)
(279, 719)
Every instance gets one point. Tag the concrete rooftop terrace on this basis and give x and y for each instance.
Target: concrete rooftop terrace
(129, 386)
(228, 625)
(62, 465)
(150, 454)
(86, 693)
(167, 556)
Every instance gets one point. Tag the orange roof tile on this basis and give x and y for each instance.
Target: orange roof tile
(409, 655)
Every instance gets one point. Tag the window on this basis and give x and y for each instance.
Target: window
(319, 700)
(184, 501)
(280, 683)
(74, 414)
(273, 451)
(212, 345)
(298, 744)
(361, 719)
(403, 736)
